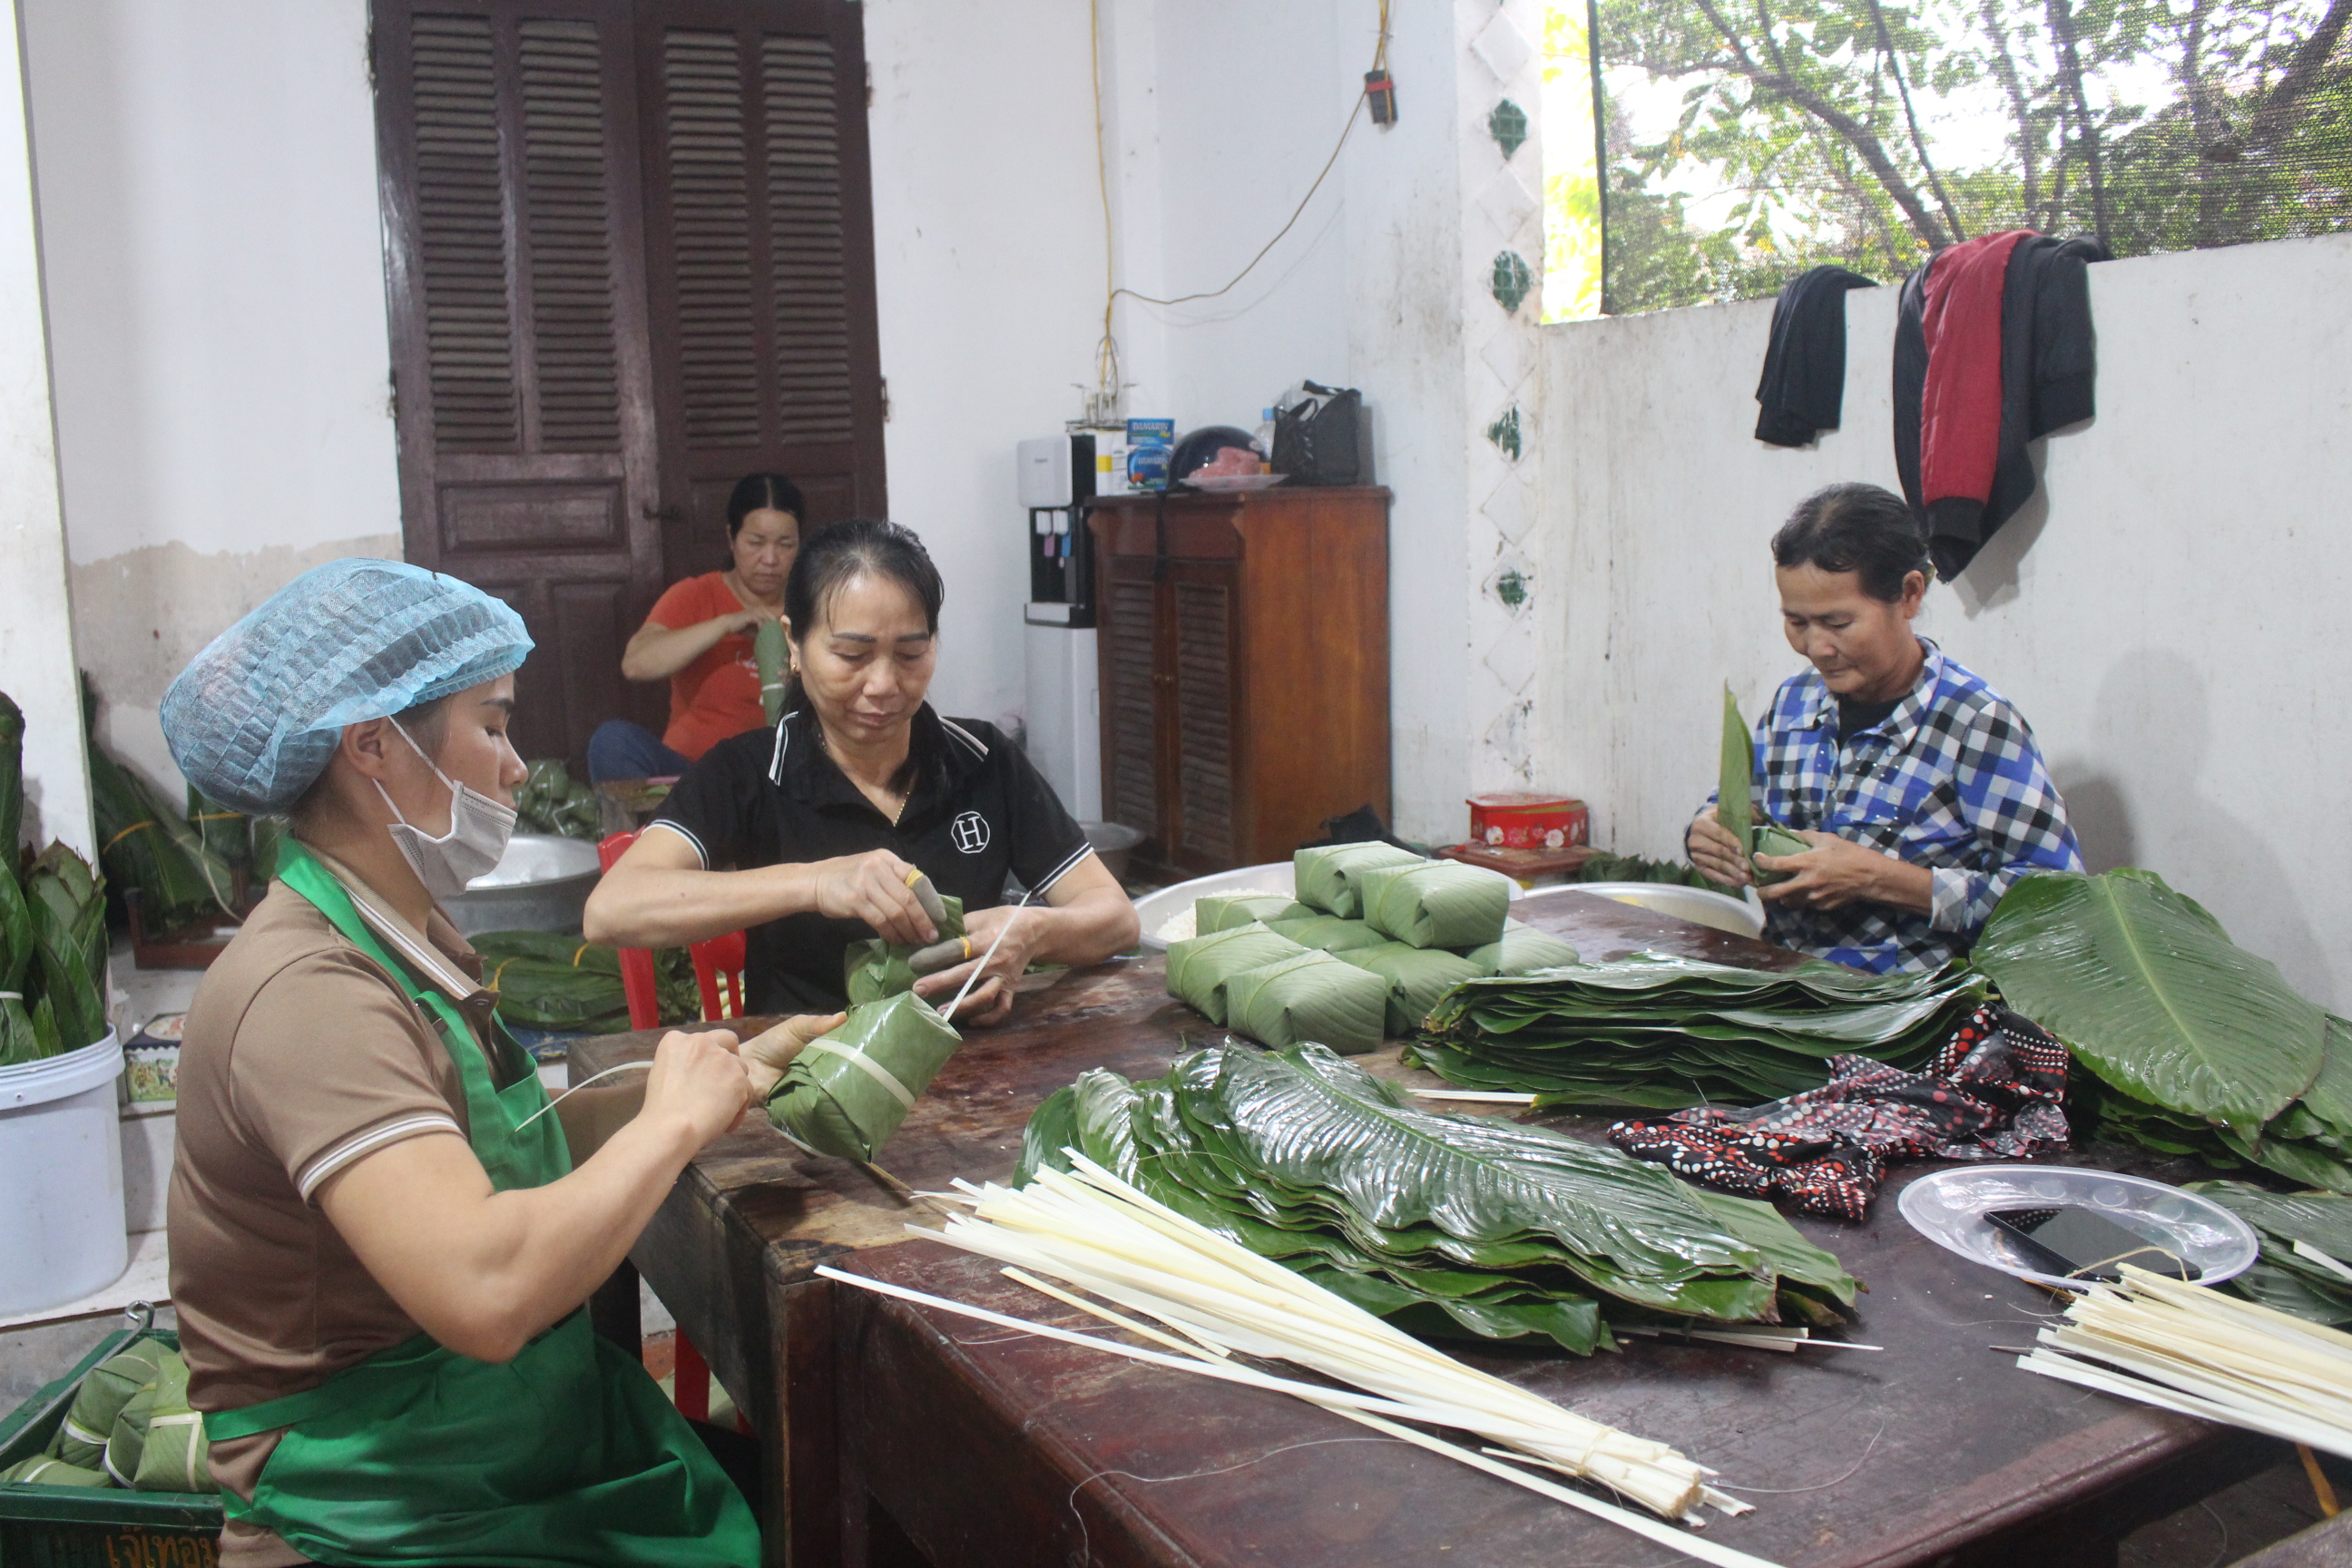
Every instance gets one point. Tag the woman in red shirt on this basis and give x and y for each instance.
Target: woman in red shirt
(699, 639)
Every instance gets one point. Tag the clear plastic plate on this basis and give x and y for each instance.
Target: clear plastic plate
(1948, 1208)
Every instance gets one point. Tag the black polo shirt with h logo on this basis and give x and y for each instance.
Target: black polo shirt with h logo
(977, 812)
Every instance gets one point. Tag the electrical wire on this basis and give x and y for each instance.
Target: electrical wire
(1106, 352)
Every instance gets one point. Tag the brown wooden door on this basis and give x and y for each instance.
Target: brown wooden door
(761, 250)
(629, 257)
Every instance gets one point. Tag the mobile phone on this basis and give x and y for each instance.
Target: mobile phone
(2077, 1243)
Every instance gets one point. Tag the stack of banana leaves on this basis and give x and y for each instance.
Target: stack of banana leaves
(2306, 1240)
(1604, 866)
(1663, 1033)
(548, 981)
(1448, 1225)
(2189, 1044)
(181, 869)
(52, 928)
(551, 801)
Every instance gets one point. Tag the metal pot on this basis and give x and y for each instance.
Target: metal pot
(542, 883)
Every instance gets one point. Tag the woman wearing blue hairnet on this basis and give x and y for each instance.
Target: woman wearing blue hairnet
(381, 1251)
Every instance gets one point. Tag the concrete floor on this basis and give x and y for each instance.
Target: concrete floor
(2236, 1523)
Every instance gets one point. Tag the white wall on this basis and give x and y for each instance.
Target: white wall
(1218, 114)
(2167, 614)
(987, 240)
(216, 305)
(1221, 116)
(36, 630)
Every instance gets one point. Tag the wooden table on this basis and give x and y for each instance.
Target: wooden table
(895, 1435)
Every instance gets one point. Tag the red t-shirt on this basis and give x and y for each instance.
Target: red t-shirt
(717, 695)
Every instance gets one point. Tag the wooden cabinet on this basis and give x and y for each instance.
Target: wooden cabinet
(1244, 649)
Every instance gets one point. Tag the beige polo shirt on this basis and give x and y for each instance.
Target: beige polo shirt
(301, 1056)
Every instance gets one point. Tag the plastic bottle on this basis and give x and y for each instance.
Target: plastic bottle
(1265, 436)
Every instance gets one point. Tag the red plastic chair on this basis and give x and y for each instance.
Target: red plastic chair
(637, 982)
(717, 964)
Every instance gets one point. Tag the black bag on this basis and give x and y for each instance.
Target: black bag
(1319, 439)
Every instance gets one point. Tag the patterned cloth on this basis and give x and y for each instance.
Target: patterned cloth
(1993, 1091)
(1952, 780)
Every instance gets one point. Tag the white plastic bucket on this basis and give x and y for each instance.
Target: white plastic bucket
(62, 1234)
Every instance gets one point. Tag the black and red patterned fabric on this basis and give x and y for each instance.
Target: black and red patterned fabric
(1994, 1091)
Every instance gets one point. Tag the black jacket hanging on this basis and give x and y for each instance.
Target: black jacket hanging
(1803, 388)
(2048, 365)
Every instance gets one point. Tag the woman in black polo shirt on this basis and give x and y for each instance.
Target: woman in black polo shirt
(821, 819)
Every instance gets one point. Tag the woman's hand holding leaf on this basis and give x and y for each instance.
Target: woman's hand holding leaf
(1715, 852)
(873, 888)
(1837, 872)
(991, 1001)
(767, 1055)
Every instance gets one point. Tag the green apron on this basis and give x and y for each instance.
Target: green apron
(568, 1454)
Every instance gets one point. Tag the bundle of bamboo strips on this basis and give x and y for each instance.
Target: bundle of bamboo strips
(2187, 1348)
(1095, 1232)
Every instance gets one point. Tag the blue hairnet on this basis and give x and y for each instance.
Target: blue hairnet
(255, 717)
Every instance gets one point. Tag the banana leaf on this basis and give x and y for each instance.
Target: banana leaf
(1312, 996)
(2148, 991)
(12, 782)
(1323, 875)
(69, 909)
(1521, 950)
(768, 646)
(1198, 967)
(1734, 795)
(874, 968)
(546, 980)
(1446, 1225)
(19, 941)
(80, 1437)
(1438, 903)
(1607, 867)
(551, 801)
(144, 843)
(1664, 1032)
(1416, 977)
(173, 1455)
(1325, 933)
(2282, 1278)
(1771, 839)
(1223, 912)
(847, 1093)
(43, 1471)
(226, 835)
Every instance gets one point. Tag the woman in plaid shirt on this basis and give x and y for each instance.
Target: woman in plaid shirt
(1921, 790)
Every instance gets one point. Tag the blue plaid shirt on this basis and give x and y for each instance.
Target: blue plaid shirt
(1952, 780)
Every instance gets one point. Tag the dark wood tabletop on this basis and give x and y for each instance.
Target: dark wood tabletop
(898, 1434)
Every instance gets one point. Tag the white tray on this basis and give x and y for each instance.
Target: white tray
(1948, 1208)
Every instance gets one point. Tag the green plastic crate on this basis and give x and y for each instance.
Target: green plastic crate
(77, 1527)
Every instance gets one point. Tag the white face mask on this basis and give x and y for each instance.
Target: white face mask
(479, 830)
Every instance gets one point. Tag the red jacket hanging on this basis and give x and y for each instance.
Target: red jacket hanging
(1993, 348)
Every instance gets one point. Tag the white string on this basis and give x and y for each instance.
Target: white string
(575, 1089)
(973, 978)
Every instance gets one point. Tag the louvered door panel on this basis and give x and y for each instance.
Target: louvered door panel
(568, 213)
(763, 299)
(1128, 626)
(509, 137)
(1202, 635)
(710, 183)
(809, 293)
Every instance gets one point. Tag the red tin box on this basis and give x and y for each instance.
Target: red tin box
(1513, 819)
